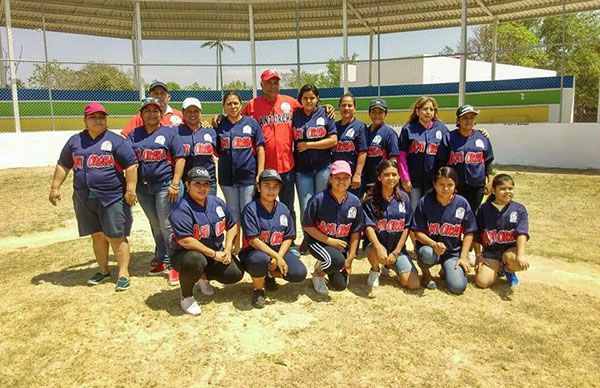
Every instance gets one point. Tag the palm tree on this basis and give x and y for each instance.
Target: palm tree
(219, 45)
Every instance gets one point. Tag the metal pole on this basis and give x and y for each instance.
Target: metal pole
(298, 42)
(463, 55)
(138, 51)
(220, 50)
(378, 54)
(345, 34)
(252, 48)
(3, 83)
(598, 108)
(494, 48)
(371, 59)
(562, 61)
(11, 64)
(49, 85)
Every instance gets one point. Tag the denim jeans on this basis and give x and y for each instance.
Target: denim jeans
(287, 195)
(455, 277)
(310, 183)
(236, 198)
(153, 200)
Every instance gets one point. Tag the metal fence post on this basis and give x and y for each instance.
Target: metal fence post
(11, 64)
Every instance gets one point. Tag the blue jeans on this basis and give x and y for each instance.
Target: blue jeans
(236, 198)
(153, 200)
(456, 279)
(287, 195)
(310, 183)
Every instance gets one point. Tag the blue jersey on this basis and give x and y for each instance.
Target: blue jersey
(421, 147)
(272, 228)
(309, 128)
(382, 144)
(156, 153)
(199, 148)
(471, 157)
(389, 225)
(352, 140)
(498, 230)
(447, 224)
(98, 165)
(237, 151)
(206, 224)
(332, 218)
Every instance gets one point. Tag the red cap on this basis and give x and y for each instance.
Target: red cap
(94, 107)
(340, 167)
(269, 74)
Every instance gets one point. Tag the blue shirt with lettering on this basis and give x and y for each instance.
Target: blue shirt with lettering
(382, 144)
(471, 157)
(498, 229)
(352, 140)
(271, 227)
(310, 128)
(390, 224)
(199, 147)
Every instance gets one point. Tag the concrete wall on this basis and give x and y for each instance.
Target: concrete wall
(544, 145)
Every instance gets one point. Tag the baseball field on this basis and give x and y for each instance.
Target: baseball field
(57, 331)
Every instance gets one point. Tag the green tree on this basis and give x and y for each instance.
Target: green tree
(104, 77)
(52, 75)
(295, 80)
(219, 45)
(334, 67)
(197, 86)
(237, 85)
(174, 86)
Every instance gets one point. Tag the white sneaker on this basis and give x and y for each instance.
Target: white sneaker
(190, 306)
(205, 287)
(373, 279)
(319, 284)
(472, 259)
(385, 271)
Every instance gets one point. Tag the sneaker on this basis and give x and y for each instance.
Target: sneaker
(270, 283)
(173, 277)
(304, 247)
(501, 272)
(98, 278)
(158, 268)
(472, 259)
(385, 271)
(512, 279)
(294, 250)
(205, 287)
(373, 279)
(190, 306)
(319, 284)
(258, 299)
(122, 284)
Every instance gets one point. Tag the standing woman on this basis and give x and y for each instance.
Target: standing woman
(382, 141)
(419, 141)
(201, 222)
(161, 158)
(444, 225)
(503, 232)
(470, 154)
(241, 156)
(352, 142)
(199, 144)
(314, 137)
(387, 218)
(333, 221)
(269, 231)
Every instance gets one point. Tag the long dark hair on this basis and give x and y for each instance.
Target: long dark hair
(374, 194)
(446, 172)
(497, 181)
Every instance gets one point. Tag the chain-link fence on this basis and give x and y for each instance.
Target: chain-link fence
(535, 70)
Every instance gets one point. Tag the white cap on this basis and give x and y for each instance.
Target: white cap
(191, 101)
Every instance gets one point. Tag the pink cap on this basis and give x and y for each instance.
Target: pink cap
(269, 74)
(340, 167)
(94, 107)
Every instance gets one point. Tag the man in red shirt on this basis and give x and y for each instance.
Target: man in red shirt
(170, 117)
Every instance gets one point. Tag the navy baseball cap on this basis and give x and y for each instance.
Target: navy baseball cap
(157, 84)
(378, 103)
(463, 110)
(269, 174)
(149, 101)
(198, 174)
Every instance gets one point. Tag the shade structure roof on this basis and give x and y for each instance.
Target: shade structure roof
(273, 20)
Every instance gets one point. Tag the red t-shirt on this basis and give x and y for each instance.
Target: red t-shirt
(275, 120)
(171, 118)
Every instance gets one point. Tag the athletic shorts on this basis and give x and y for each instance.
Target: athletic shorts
(114, 220)
(494, 255)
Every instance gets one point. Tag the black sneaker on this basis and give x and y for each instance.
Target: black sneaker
(270, 284)
(304, 247)
(258, 299)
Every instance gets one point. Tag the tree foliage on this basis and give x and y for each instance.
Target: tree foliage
(328, 79)
(237, 85)
(92, 76)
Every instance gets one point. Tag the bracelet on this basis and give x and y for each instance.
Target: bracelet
(174, 187)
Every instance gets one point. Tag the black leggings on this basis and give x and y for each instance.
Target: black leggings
(473, 195)
(332, 263)
(191, 265)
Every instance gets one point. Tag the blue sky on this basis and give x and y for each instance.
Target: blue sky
(181, 61)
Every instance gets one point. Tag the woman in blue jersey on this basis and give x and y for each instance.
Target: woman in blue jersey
(269, 232)
(444, 225)
(387, 218)
(352, 142)
(315, 136)
(503, 231)
(161, 158)
(241, 156)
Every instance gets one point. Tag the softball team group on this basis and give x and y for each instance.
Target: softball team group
(355, 182)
